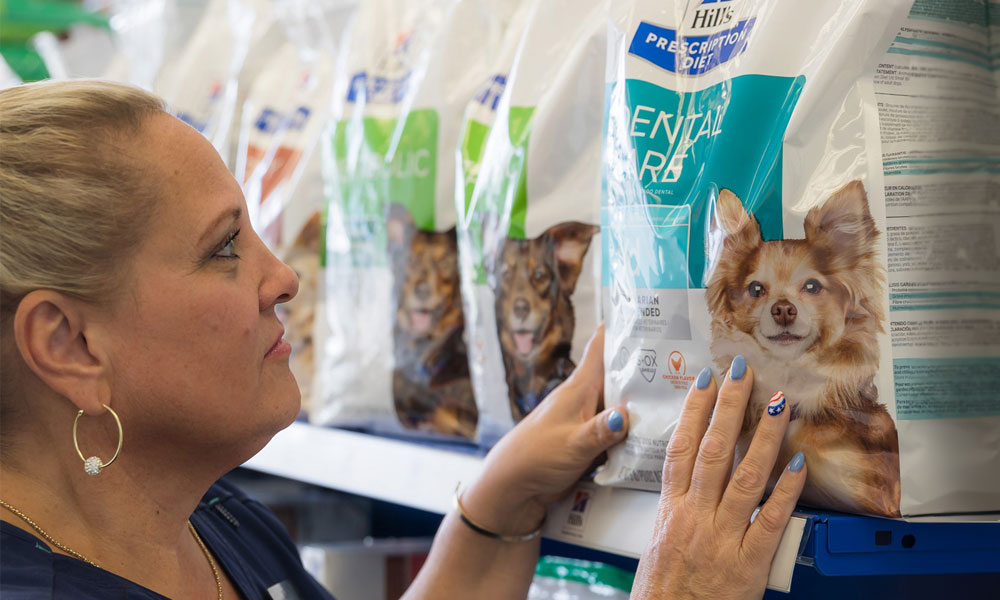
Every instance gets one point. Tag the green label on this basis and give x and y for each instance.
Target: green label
(496, 191)
(471, 149)
(378, 162)
(413, 170)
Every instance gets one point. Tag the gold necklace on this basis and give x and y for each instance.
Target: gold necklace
(75, 554)
(208, 555)
(47, 537)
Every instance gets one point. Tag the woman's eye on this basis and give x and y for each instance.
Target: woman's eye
(228, 250)
(756, 289)
(813, 286)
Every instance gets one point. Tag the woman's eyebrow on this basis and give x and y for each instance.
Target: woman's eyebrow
(228, 216)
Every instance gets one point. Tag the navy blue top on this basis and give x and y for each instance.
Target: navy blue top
(247, 540)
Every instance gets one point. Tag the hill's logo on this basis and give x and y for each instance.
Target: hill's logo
(710, 36)
(390, 78)
(714, 13)
(490, 92)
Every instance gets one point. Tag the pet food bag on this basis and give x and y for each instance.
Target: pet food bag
(282, 119)
(394, 354)
(530, 212)
(746, 213)
(201, 83)
(762, 200)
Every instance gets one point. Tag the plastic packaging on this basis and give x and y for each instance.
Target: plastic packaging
(745, 215)
(392, 328)
(200, 84)
(278, 162)
(558, 578)
(530, 210)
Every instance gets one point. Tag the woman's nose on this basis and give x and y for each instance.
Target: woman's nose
(280, 283)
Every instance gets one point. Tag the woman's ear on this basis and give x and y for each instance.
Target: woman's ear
(49, 329)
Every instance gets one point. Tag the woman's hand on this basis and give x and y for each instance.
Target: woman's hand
(538, 461)
(704, 545)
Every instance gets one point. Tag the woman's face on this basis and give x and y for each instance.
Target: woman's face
(197, 355)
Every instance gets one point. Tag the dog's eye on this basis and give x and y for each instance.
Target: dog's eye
(813, 287)
(756, 289)
(540, 275)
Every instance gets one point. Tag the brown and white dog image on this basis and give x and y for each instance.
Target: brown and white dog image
(806, 314)
(534, 280)
(431, 386)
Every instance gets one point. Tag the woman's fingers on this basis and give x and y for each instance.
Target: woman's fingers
(764, 535)
(746, 487)
(588, 376)
(599, 433)
(682, 449)
(715, 456)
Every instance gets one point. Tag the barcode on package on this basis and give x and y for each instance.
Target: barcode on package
(639, 475)
(576, 519)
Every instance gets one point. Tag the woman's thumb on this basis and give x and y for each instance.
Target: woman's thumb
(602, 431)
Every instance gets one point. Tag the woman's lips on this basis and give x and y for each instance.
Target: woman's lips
(280, 347)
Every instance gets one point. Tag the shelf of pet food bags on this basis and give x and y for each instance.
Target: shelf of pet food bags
(619, 521)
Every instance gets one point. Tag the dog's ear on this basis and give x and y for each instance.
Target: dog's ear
(843, 226)
(740, 228)
(308, 237)
(570, 242)
(399, 226)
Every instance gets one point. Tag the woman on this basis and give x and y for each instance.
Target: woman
(138, 314)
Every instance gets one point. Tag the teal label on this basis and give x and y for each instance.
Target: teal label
(686, 147)
(946, 388)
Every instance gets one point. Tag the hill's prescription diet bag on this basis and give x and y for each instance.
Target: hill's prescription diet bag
(749, 208)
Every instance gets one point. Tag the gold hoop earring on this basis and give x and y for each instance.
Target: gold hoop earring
(94, 465)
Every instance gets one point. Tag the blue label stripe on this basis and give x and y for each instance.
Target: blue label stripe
(931, 161)
(971, 61)
(690, 55)
(943, 294)
(956, 306)
(983, 169)
(918, 42)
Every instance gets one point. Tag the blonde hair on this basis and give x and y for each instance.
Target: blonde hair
(73, 200)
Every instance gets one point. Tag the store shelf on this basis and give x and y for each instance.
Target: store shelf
(425, 477)
(620, 521)
(414, 475)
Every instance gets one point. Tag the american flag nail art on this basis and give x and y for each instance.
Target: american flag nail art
(776, 405)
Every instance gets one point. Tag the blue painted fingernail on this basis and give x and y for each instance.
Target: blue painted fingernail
(798, 461)
(704, 378)
(776, 405)
(616, 421)
(738, 369)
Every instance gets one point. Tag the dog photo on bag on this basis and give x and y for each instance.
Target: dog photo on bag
(806, 314)
(534, 281)
(431, 387)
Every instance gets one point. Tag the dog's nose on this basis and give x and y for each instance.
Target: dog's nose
(784, 313)
(422, 290)
(521, 308)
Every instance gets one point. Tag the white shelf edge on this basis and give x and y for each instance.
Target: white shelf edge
(403, 473)
(619, 521)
